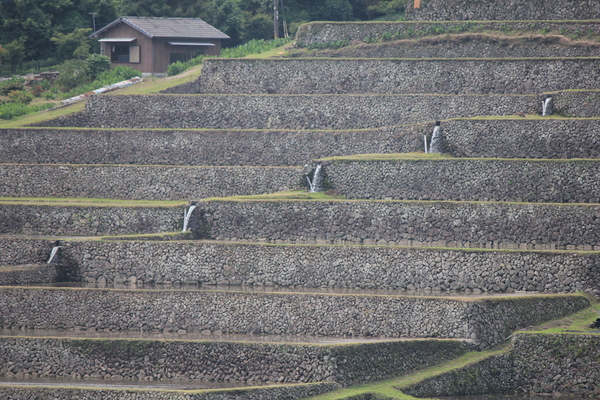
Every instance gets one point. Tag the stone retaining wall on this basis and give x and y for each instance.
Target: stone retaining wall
(288, 111)
(367, 267)
(271, 393)
(389, 76)
(323, 33)
(82, 221)
(460, 10)
(29, 273)
(19, 251)
(144, 182)
(494, 374)
(221, 361)
(220, 148)
(537, 363)
(486, 321)
(310, 111)
(558, 363)
(521, 138)
(467, 179)
(332, 266)
(466, 45)
(492, 225)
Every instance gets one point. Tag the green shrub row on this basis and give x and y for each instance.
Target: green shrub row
(109, 77)
(13, 110)
(254, 46)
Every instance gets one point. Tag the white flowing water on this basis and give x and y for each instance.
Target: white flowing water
(546, 107)
(186, 217)
(315, 185)
(53, 254)
(435, 146)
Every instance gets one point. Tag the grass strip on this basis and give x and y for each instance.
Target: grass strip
(289, 196)
(387, 388)
(83, 202)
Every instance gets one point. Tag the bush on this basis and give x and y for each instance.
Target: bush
(11, 85)
(37, 90)
(106, 78)
(13, 110)
(176, 68)
(97, 63)
(20, 96)
(254, 46)
(117, 74)
(49, 95)
(73, 73)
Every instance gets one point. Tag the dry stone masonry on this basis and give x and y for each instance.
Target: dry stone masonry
(468, 179)
(292, 111)
(464, 45)
(143, 182)
(460, 224)
(503, 138)
(291, 392)
(395, 259)
(88, 221)
(127, 360)
(199, 147)
(388, 76)
(324, 33)
(486, 321)
(482, 10)
(566, 363)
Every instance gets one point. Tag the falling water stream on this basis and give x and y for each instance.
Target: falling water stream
(186, 217)
(315, 184)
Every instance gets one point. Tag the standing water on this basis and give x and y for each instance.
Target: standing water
(186, 217)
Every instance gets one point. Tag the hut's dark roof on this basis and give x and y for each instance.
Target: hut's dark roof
(168, 27)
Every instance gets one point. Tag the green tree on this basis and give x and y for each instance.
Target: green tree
(258, 26)
(387, 7)
(14, 52)
(37, 21)
(226, 15)
(97, 64)
(72, 74)
(167, 8)
(75, 44)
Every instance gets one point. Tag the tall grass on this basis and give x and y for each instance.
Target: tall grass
(254, 46)
(13, 110)
(114, 75)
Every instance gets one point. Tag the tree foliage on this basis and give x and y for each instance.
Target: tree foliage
(76, 44)
(37, 21)
(57, 28)
(14, 52)
(73, 73)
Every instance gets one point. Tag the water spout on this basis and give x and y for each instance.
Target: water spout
(547, 107)
(53, 254)
(186, 217)
(317, 180)
(437, 144)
